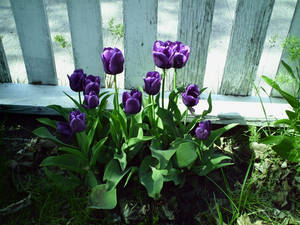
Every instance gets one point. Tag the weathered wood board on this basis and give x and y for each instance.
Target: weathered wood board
(4, 70)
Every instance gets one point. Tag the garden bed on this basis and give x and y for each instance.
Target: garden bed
(263, 188)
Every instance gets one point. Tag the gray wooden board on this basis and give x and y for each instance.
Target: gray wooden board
(86, 32)
(293, 31)
(34, 35)
(33, 99)
(194, 29)
(140, 27)
(4, 70)
(246, 44)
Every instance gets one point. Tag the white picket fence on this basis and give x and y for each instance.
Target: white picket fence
(195, 20)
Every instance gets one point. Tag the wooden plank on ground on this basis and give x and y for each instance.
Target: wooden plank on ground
(140, 26)
(246, 44)
(194, 29)
(34, 35)
(86, 33)
(18, 98)
(293, 31)
(4, 70)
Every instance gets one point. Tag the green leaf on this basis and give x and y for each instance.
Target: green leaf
(185, 154)
(163, 156)
(215, 134)
(132, 171)
(91, 133)
(48, 122)
(122, 158)
(97, 147)
(205, 112)
(66, 161)
(103, 101)
(151, 177)
(292, 115)
(289, 69)
(113, 174)
(168, 122)
(73, 151)
(43, 132)
(62, 181)
(62, 111)
(101, 198)
(91, 179)
(210, 162)
(135, 140)
(76, 103)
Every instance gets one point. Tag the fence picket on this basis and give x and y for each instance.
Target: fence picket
(246, 45)
(194, 29)
(293, 31)
(86, 33)
(34, 35)
(140, 26)
(4, 70)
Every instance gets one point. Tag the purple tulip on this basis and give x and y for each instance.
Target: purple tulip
(132, 101)
(180, 55)
(191, 95)
(92, 83)
(65, 130)
(203, 130)
(77, 121)
(91, 99)
(152, 83)
(76, 80)
(162, 53)
(113, 60)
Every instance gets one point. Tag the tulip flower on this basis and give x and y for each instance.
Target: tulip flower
(132, 101)
(92, 83)
(203, 130)
(152, 83)
(77, 121)
(91, 99)
(113, 60)
(180, 55)
(64, 129)
(76, 80)
(162, 53)
(191, 95)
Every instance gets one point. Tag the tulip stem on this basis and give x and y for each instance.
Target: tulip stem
(175, 76)
(153, 109)
(79, 94)
(163, 89)
(116, 94)
(186, 116)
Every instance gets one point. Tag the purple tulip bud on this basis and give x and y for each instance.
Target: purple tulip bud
(91, 100)
(152, 83)
(77, 121)
(92, 83)
(76, 80)
(113, 60)
(191, 95)
(65, 130)
(203, 130)
(180, 55)
(132, 101)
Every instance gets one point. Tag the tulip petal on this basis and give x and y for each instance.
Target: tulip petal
(116, 63)
(161, 60)
(132, 106)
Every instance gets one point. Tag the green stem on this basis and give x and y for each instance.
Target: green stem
(175, 78)
(79, 95)
(186, 116)
(163, 89)
(153, 109)
(116, 93)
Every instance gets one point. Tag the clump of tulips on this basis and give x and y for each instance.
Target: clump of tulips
(141, 136)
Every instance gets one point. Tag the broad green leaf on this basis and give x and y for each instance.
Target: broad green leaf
(210, 162)
(289, 69)
(134, 141)
(101, 198)
(62, 181)
(97, 147)
(83, 141)
(151, 177)
(62, 111)
(46, 121)
(163, 156)
(167, 119)
(291, 115)
(215, 134)
(43, 132)
(91, 179)
(73, 151)
(132, 171)
(122, 158)
(205, 112)
(66, 161)
(91, 133)
(113, 174)
(185, 154)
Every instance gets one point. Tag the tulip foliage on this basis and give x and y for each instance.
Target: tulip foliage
(140, 137)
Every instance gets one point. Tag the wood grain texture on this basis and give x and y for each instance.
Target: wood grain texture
(33, 99)
(293, 31)
(194, 29)
(34, 35)
(246, 45)
(86, 33)
(140, 26)
(4, 70)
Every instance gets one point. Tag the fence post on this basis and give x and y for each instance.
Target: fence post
(194, 29)
(246, 44)
(4, 70)
(34, 35)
